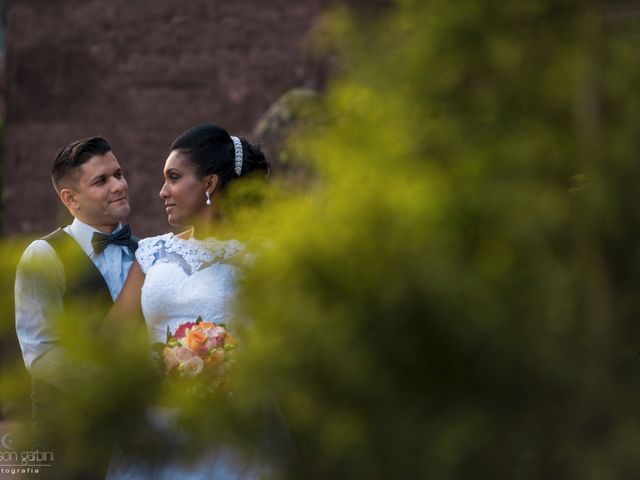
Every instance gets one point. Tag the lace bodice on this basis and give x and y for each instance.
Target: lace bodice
(184, 280)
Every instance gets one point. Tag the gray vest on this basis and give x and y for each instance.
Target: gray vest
(82, 282)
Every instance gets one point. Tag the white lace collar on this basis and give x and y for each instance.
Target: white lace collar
(216, 250)
(195, 253)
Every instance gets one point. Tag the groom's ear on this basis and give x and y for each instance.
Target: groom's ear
(70, 198)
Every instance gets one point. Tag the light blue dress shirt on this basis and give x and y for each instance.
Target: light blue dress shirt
(39, 287)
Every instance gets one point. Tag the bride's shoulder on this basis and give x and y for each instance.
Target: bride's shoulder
(153, 242)
(230, 251)
(223, 249)
(149, 250)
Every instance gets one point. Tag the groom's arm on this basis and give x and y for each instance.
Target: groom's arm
(39, 291)
(38, 298)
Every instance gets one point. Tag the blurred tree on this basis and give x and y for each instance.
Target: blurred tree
(458, 297)
(455, 295)
(1, 163)
(294, 110)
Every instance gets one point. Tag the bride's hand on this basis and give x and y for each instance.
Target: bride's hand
(126, 311)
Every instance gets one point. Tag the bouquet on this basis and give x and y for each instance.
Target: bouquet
(199, 349)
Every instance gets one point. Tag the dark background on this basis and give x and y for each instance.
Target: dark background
(139, 73)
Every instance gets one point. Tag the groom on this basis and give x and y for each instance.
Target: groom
(90, 258)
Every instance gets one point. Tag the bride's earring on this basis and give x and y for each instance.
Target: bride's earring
(206, 194)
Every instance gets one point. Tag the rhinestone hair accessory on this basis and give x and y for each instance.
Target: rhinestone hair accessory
(237, 147)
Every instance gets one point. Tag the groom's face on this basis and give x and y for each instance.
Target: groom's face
(102, 193)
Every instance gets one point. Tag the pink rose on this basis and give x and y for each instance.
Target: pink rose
(181, 330)
(183, 354)
(169, 357)
(215, 337)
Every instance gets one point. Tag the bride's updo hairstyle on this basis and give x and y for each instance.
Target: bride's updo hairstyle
(212, 150)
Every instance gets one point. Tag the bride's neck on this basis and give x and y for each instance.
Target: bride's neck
(205, 225)
(199, 232)
(202, 232)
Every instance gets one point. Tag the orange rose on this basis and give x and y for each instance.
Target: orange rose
(196, 339)
(205, 325)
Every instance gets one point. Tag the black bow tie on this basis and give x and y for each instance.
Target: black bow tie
(101, 240)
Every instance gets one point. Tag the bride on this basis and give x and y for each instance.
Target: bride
(178, 278)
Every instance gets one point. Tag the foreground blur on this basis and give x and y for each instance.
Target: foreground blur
(454, 294)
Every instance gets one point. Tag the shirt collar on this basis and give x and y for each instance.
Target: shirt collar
(83, 234)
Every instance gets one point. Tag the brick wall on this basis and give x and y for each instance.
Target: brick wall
(139, 73)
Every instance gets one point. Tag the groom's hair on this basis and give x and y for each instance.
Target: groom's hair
(69, 159)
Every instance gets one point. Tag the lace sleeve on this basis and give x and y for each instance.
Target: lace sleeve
(149, 250)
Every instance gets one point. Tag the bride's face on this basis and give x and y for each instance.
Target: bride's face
(183, 192)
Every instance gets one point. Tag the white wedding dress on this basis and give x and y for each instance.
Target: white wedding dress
(184, 280)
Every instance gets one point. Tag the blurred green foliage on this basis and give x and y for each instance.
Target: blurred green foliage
(14, 382)
(458, 297)
(455, 295)
(1, 165)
